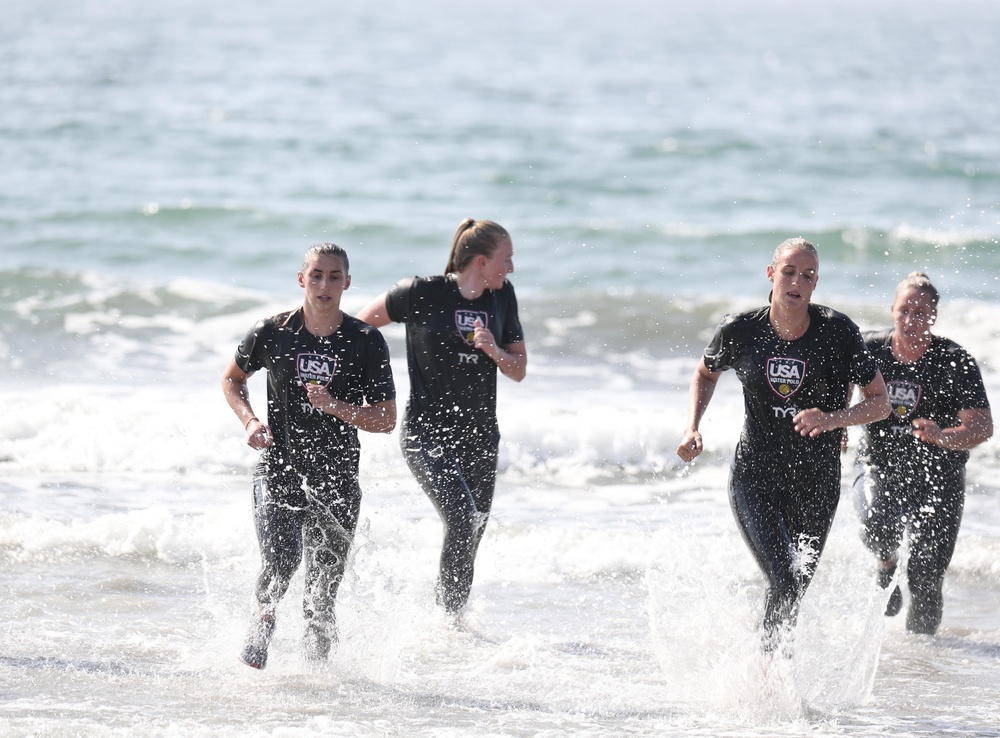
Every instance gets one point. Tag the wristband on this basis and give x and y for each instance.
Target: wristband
(247, 424)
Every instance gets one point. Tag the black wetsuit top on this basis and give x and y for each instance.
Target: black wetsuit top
(451, 380)
(945, 380)
(353, 364)
(780, 378)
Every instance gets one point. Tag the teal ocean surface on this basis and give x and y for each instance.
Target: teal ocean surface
(163, 167)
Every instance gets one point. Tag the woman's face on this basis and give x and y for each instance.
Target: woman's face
(499, 264)
(913, 314)
(324, 280)
(794, 278)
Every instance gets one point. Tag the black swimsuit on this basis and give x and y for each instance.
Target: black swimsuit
(450, 436)
(903, 484)
(784, 487)
(306, 493)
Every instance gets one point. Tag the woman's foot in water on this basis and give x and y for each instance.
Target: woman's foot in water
(258, 638)
(886, 573)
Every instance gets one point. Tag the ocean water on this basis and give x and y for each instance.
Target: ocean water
(163, 166)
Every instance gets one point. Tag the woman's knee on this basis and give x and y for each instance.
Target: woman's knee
(281, 568)
(462, 531)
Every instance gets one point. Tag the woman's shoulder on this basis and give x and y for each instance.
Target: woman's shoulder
(828, 316)
(353, 326)
(825, 312)
(431, 283)
(943, 346)
(290, 319)
(877, 338)
(746, 319)
(410, 290)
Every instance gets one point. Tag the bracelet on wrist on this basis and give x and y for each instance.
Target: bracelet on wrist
(247, 424)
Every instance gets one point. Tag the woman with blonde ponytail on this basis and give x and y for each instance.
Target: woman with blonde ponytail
(461, 327)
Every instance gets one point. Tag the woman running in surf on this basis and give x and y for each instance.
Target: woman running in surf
(797, 362)
(911, 465)
(461, 328)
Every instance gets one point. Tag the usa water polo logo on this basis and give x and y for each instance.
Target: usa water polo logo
(785, 375)
(465, 321)
(315, 368)
(904, 398)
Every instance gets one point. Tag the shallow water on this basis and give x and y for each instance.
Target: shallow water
(165, 166)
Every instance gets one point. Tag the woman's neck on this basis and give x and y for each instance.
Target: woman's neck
(909, 350)
(322, 325)
(789, 326)
(470, 284)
